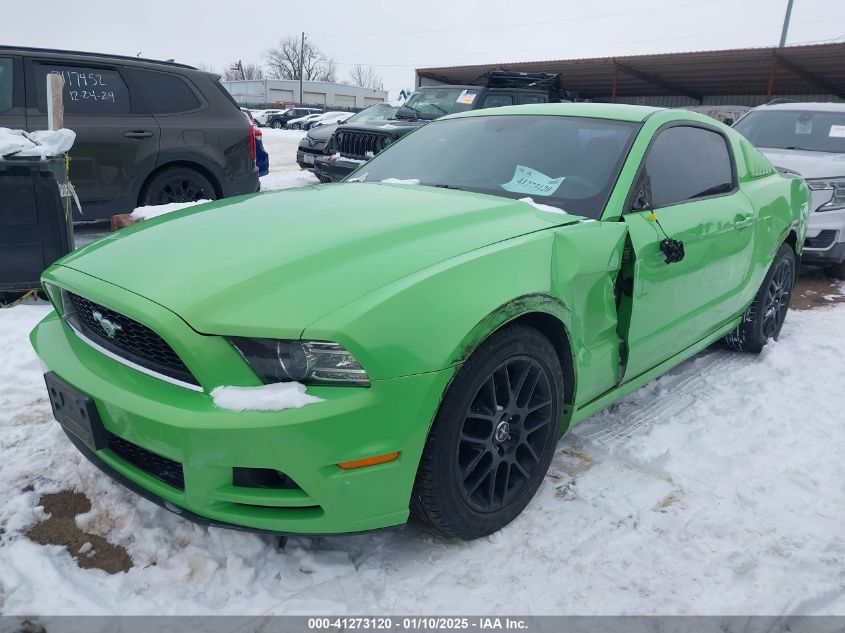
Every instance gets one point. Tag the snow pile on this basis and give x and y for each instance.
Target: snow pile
(284, 173)
(543, 207)
(401, 181)
(43, 143)
(717, 489)
(274, 397)
(154, 211)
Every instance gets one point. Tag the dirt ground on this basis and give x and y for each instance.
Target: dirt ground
(814, 290)
(59, 528)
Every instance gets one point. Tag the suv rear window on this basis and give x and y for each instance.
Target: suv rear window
(86, 91)
(7, 84)
(164, 93)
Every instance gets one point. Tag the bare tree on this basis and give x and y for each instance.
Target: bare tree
(283, 61)
(366, 77)
(250, 71)
(205, 67)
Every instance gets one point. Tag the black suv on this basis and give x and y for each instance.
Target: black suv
(352, 145)
(280, 120)
(147, 132)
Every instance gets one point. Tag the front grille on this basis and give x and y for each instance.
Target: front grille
(131, 340)
(824, 239)
(163, 469)
(359, 144)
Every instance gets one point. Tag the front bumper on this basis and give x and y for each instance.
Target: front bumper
(825, 242)
(306, 158)
(185, 427)
(336, 169)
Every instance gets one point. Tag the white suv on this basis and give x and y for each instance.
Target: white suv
(809, 138)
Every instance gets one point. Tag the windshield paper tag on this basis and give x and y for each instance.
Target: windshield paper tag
(466, 97)
(837, 131)
(527, 180)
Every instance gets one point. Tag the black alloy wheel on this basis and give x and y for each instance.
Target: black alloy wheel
(504, 433)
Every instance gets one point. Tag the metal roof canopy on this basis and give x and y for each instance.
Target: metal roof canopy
(808, 69)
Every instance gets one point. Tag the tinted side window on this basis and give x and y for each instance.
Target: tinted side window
(686, 163)
(7, 84)
(164, 93)
(532, 99)
(496, 101)
(86, 91)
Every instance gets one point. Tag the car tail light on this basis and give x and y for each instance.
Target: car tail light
(252, 137)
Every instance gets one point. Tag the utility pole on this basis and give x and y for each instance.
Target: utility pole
(302, 58)
(785, 23)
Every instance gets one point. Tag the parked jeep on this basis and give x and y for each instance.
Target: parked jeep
(315, 142)
(809, 139)
(352, 144)
(147, 132)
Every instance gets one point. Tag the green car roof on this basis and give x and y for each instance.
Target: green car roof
(619, 112)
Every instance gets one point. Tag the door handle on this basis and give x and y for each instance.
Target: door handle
(138, 134)
(744, 222)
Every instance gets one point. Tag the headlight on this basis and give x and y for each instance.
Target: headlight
(837, 186)
(309, 362)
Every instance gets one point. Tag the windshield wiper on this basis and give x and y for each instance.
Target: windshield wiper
(434, 105)
(417, 113)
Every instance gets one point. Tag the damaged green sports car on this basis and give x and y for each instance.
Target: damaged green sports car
(415, 340)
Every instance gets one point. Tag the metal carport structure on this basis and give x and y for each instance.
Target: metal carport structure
(747, 76)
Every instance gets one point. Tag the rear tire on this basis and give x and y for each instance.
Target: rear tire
(177, 184)
(295, 126)
(764, 318)
(493, 437)
(277, 125)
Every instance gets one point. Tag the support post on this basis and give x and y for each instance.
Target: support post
(55, 105)
(785, 24)
(772, 73)
(301, 63)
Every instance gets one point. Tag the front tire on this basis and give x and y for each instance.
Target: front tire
(277, 125)
(295, 126)
(493, 437)
(764, 318)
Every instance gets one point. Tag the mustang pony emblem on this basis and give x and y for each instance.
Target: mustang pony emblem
(108, 327)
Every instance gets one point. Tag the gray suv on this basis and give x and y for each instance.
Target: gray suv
(147, 132)
(809, 139)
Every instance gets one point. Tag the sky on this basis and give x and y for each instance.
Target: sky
(397, 37)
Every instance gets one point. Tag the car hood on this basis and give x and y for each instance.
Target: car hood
(321, 133)
(271, 264)
(808, 164)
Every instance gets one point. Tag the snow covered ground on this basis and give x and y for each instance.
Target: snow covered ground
(717, 489)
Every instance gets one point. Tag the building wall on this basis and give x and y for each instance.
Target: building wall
(269, 92)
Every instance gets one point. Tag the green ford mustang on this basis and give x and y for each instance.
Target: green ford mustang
(462, 300)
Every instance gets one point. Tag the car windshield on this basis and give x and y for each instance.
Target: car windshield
(434, 102)
(373, 113)
(815, 131)
(567, 162)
